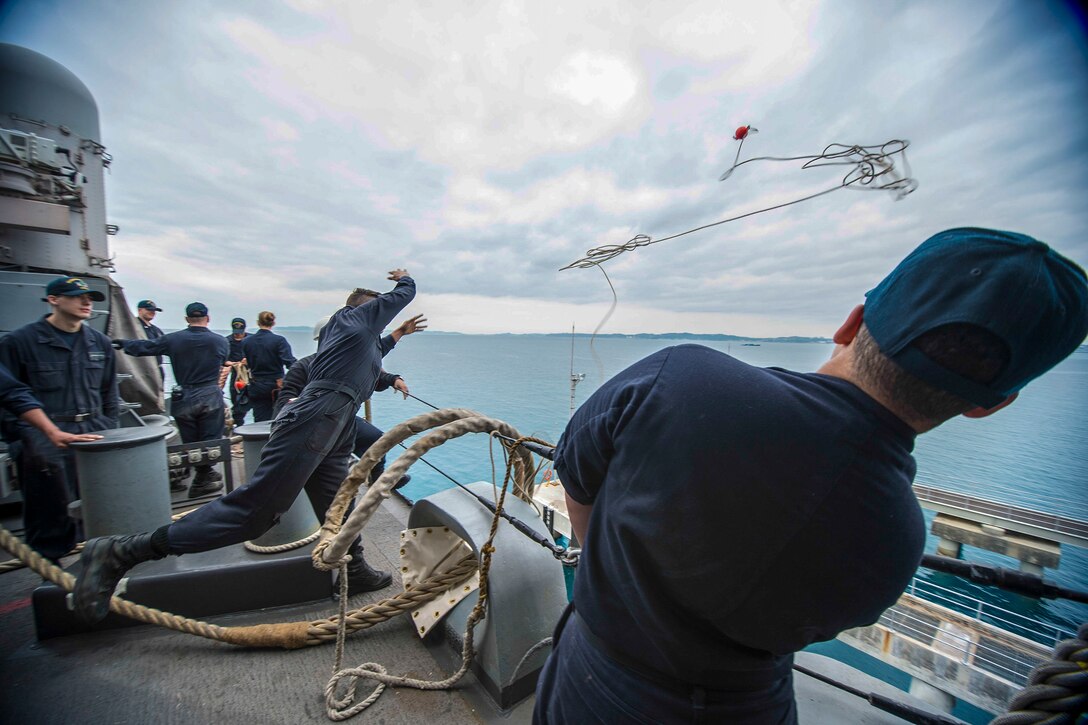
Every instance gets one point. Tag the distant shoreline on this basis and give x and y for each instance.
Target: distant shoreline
(618, 335)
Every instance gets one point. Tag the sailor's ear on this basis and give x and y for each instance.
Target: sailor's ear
(983, 412)
(849, 329)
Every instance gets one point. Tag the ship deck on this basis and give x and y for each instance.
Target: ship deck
(145, 674)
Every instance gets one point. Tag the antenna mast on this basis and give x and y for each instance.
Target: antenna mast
(575, 378)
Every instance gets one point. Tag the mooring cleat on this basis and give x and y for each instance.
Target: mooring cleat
(105, 561)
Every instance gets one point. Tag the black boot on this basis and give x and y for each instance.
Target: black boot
(205, 481)
(361, 576)
(105, 561)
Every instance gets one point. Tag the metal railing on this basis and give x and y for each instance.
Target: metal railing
(1042, 633)
(1007, 663)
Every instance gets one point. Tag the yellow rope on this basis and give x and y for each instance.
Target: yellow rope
(343, 707)
(292, 635)
(288, 635)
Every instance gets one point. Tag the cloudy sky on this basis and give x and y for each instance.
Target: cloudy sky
(275, 154)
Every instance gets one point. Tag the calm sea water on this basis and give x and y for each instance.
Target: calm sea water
(1034, 453)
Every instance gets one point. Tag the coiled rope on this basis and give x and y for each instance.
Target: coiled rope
(293, 635)
(16, 564)
(448, 423)
(278, 548)
(288, 635)
(1057, 690)
(343, 707)
(334, 540)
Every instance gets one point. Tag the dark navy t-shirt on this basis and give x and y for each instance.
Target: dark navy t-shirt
(739, 513)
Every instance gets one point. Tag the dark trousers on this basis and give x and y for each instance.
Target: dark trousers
(200, 415)
(366, 434)
(260, 397)
(308, 448)
(581, 684)
(47, 475)
(239, 402)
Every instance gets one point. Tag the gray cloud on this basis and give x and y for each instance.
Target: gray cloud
(279, 156)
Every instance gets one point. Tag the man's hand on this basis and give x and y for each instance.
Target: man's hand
(396, 274)
(61, 439)
(402, 386)
(37, 418)
(414, 324)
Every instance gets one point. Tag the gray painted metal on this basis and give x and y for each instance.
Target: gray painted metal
(35, 216)
(41, 89)
(527, 592)
(49, 121)
(299, 521)
(125, 485)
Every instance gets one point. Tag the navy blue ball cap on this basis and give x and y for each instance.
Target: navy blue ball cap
(238, 323)
(1015, 287)
(196, 309)
(148, 305)
(71, 287)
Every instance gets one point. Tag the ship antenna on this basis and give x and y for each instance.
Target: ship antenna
(575, 378)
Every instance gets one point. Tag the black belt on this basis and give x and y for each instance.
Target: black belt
(77, 418)
(739, 681)
(336, 387)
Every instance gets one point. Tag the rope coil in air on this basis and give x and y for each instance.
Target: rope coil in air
(871, 168)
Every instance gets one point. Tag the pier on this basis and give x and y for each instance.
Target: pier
(1031, 537)
(958, 647)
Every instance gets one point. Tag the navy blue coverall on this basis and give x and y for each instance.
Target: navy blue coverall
(267, 355)
(16, 398)
(197, 354)
(154, 332)
(311, 438)
(366, 433)
(74, 377)
(239, 403)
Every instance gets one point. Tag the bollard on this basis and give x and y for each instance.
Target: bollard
(299, 520)
(123, 480)
(527, 593)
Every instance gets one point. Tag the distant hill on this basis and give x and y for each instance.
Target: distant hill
(698, 336)
(637, 336)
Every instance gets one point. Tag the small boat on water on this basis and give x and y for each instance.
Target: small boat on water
(52, 210)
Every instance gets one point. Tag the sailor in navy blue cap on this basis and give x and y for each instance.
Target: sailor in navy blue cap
(145, 313)
(197, 355)
(70, 369)
(731, 515)
(239, 395)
